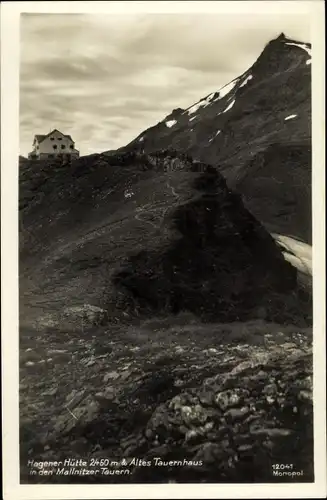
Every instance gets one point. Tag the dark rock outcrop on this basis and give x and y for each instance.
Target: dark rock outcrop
(138, 234)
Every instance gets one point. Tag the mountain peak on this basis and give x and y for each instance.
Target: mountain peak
(260, 117)
(279, 41)
(281, 37)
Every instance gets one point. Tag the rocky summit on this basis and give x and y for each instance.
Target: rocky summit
(164, 336)
(257, 131)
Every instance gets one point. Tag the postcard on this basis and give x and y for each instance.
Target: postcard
(163, 242)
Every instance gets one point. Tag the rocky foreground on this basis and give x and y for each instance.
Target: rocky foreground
(230, 402)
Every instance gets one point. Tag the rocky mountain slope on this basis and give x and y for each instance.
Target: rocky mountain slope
(137, 235)
(147, 299)
(257, 131)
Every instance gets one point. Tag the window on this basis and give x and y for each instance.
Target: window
(55, 146)
(71, 146)
(51, 138)
(59, 138)
(63, 146)
(50, 156)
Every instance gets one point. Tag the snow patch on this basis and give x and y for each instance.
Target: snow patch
(217, 133)
(128, 193)
(290, 117)
(308, 61)
(201, 104)
(141, 139)
(170, 123)
(296, 252)
(205, 102)
(229, 106)
(247, 79)
(301, 45)
(192, 118)
(226, 89)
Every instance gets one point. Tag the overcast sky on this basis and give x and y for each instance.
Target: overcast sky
(104, 79)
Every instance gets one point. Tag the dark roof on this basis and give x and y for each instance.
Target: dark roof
(41, 137)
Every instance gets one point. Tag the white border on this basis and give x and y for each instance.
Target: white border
(10, 12)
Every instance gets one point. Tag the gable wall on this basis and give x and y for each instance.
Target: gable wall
(55, 139)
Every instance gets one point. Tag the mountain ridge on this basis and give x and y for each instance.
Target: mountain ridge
(264, 111)
(109, 231)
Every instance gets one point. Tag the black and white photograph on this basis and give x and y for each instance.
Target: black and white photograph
(166, 307)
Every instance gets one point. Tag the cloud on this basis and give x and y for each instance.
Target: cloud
(105, 78)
